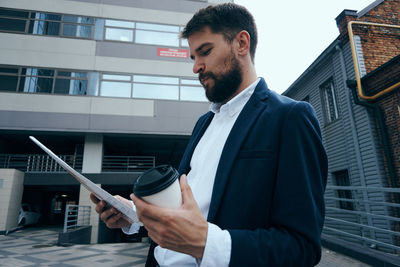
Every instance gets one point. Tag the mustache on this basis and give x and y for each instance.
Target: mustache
(206, 75)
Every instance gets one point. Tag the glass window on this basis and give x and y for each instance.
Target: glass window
(117, 89)
(116, 77)
(9, 70)
(13, 13)
(76, 19)
(120, 23)
(70, 87)
(8, 83)
(329, 101)
(93, 83)
(155, 79)
(44, 27)
(76, 30)
(193, 93)
(15, 25)
(157, 27)
(36, 80)
(156, 91)
(36, 84)
(190, 82)
(119, 35)
(157, 38)
(184, 43)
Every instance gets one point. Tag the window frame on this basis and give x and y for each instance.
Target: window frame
(329, 85)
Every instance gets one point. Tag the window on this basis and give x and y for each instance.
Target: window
(71, 83)
(342, 179)
(13, 20)
(156, 87)
(116, 85)
(329, 101)
(191, 90)
(157, 34)
(35, 80)
(118, 30)
(8, 79)
(63, 25)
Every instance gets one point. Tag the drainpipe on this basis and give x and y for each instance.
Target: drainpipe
(352, 84)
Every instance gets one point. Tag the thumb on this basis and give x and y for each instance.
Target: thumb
(187, 195)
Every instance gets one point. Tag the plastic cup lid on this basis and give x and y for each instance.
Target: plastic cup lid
(154, 180)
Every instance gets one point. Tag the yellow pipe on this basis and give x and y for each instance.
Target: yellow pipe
(355, 62)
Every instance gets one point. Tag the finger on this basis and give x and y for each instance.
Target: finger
(113, 220)
(94, 199)
(187, 195)
(106, 215)
(100, 206)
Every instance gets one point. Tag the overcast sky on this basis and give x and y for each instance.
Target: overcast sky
(293, 33)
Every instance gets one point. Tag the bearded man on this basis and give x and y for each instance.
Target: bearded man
(254, 171)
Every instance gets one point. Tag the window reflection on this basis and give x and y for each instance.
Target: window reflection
(157, 38)
(116, 89)
(157, 27)
(74, 30)
(193, 93)
(155, 79)
(153, 91)
(119, 34)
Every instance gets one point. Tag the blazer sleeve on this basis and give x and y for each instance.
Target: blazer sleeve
(292, 235)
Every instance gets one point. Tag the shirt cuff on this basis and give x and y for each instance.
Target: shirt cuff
(134, 227)
(218, 247)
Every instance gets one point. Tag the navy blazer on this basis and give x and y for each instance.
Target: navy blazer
(270, 181)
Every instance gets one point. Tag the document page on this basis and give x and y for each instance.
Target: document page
(127, 212)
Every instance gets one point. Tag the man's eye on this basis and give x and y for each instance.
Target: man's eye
(206, 52)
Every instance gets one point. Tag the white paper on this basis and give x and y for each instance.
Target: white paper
(127, 212)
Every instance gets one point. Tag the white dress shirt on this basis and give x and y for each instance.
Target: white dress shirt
(204, 163)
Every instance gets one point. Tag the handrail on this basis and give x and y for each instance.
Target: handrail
(375, 228)
(75, 216)
(355, 61)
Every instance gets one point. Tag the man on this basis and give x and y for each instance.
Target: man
(255, 164)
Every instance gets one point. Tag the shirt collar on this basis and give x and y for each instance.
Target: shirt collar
(237, 103)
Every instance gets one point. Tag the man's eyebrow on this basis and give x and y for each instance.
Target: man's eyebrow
(200, 48)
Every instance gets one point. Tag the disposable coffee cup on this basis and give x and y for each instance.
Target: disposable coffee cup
(159, 186)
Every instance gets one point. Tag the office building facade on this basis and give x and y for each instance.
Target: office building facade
(107, 85)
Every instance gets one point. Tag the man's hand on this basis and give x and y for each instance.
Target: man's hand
(183, 230)
(109, 215)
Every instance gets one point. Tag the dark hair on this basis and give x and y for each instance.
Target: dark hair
(227, 19)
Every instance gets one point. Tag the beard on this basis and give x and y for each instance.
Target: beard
(225, 84)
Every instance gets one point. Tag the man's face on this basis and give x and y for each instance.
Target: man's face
(219, 70)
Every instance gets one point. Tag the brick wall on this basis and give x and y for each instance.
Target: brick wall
(381, 51)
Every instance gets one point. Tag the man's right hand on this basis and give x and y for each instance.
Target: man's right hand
(109, 215)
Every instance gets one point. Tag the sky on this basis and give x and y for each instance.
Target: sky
(292, 34)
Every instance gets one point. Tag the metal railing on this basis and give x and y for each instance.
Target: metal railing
(127, 163)
(76, 216)
(39, 162)
(372, 220)
(32, 163)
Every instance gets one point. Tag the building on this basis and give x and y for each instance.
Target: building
(108, 85)
(354, 88)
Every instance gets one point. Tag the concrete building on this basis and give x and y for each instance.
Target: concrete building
(354, 88)
(108, 85)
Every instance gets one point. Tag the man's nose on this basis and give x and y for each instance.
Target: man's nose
(198, 66)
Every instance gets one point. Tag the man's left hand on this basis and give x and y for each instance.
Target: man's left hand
(183, 230)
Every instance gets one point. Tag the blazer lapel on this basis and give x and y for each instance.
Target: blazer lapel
(198, 132)
(243, 124)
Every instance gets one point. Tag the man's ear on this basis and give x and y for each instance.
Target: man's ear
(243, 41)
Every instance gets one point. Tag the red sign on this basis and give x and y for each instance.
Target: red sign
(172, 52)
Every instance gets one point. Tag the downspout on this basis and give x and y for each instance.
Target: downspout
(352, 84)
(356, 143)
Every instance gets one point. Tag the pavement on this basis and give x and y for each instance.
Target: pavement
(34, 246)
